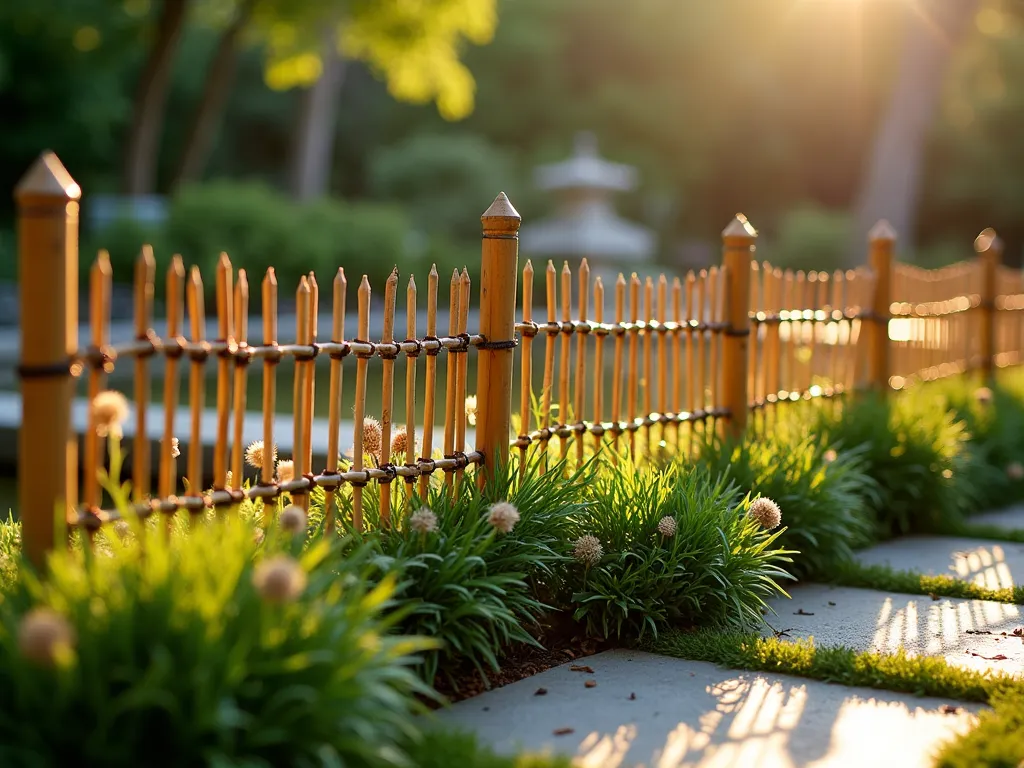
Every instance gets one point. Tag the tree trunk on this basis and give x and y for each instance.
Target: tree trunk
(312, 154)
(219, 79)
(151, 101)
(892, 184)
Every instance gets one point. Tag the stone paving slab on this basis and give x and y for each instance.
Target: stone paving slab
(1012, 518)
(973, 634)
(697, 715)
(993, 564)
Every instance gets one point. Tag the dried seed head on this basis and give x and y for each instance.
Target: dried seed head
(109, 412)
(279, 579)
(503, 517)
(1015, 471)
(588, 550)
(293, 519)
(471, 409)
(766, 512)
(255, 454)
(175, 448)
(423, 520)
(371, 437)
(983, 395)
(45, 637)
(399, 443)
(123, 530)
(830, 456)
(667, 527)
(285, 471)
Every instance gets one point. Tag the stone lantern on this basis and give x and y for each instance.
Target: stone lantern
(585, 224)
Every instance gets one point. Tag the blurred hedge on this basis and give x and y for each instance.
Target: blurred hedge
(258, 228)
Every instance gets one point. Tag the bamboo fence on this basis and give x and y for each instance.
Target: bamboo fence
(709, 352)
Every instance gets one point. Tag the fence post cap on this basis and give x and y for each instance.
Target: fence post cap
(739, 228)
(882, 231)
(501, 218)
(47, 178)
(987, 240)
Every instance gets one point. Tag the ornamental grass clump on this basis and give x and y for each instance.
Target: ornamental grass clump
(477, 569)
(669, 547)
(826, 494)
(200, 649)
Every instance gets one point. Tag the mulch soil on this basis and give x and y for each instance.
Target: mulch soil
(562, 641)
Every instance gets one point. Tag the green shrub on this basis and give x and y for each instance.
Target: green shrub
(916, 451)
(473, 587)
(825, 495)
(997, 741)
(676, 548)
(259, 228)
(185, 653)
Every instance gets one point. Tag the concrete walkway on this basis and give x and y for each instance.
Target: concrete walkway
(647, 710)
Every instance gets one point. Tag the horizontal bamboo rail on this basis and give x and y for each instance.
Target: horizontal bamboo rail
(648, 366)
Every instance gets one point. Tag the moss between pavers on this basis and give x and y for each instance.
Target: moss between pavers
(887, 579)
(997, 741)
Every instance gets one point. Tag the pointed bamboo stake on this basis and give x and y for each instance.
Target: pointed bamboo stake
(410, 388)
(714, 369)
(175, 300)
(269, 469)
(309, 374)
(791, 301)
(303, 335)
(549, 363)
(526, 362)
(598, 362)
(837, 304)
(334, 407)
(677, 354)
(99, 319)
(145, 273)
(755, 349)
(225, 333)
(632, 372)
(563, 364)
(196, 381)
(581, 361)
(241, 320)
(692, 315)
(617, 373)
(703, 309)
(461, 372)
(430, 386)
(387, 394)
(662, 403)
(647, 372)
(451, 373)
(773, 345)
(359, 407)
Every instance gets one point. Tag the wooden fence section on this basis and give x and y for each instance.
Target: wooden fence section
(687, 356)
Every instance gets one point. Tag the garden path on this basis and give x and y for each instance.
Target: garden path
(649, 710)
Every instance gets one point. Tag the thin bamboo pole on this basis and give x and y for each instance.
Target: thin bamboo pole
(755, 350)
(359, 407)
(881, 242)
(339, 287)
(145, 273)
(310, 374)
(663, 354)
(617, 372)
(387, 394)
(451, 373)
(269, 470)
(703, 315)
(196, 381)
(581, 360)
(526, 363)
(410, 387)
(773, 347)
(99, 320)
(677, 357)
(634, 362)
(303, 334)
(598, 363)
(168, 450)
(430, 386)
(692, 314)
(549, 363)
(563, 366)
(461, 365)
(225, 333)
(714, 343)
(241, 318)
(647, 372)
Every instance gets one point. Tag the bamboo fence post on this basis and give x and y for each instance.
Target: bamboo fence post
(303, 337)
(268, 472)
(526, 362)
(647, 372)
(387, 394)
(241, 320)
(225, 333)
(461, 370)
(580, 391)
(99, 331)
(598, 366)
(310, 374)
(989, 248)
(175, 318)
(451, 373)
(498, 268)
(196, 390)
(334, 407)
(620, 343)
(145, 273)
(563, 364)
(359, 408)
(632, 370)
(410, 387)
(430, 376)
(47, 199)
(881, 242)
(738, 241)
(549, 366)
